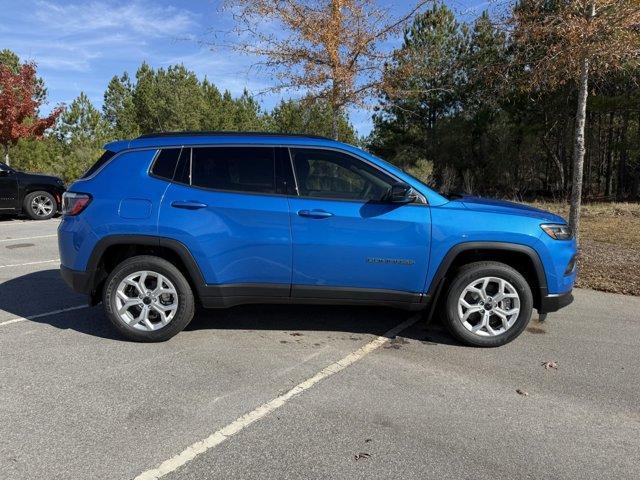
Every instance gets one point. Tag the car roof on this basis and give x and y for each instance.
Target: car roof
(169, 139)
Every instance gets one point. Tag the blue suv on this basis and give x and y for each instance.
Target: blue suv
(165, 222)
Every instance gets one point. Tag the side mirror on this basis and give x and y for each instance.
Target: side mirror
(401, 193)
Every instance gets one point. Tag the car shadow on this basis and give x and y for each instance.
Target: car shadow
(4, 217)
(54, 295)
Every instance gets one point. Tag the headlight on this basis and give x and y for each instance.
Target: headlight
(557, 231)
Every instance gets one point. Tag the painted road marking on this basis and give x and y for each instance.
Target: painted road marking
(237, 425)
(40, 315)
(30, 263)
(27, 238)
(30, 223)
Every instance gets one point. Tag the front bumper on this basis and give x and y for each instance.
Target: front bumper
(554, 302)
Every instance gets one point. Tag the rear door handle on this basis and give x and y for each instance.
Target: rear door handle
(314, 213)
(188, 205)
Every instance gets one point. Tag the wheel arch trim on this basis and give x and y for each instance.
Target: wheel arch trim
(455, 251)
(176, 246)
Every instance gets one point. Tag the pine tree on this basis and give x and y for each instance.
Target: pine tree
(423, 86)
(118, 108)
(168, 100)
(81, 124)
(309, 116)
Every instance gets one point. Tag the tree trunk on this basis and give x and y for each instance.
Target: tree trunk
(6, 155)
(623, 158)
(589, 141)
(608, 176)
(335, 114)
(578, 150)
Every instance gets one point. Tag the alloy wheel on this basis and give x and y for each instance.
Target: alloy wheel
(41, 205)
(146, 300)
(488, 306)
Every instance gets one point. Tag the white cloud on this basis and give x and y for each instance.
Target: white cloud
(63, 36)
(144, 18)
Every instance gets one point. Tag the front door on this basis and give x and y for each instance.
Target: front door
(8, 189)
(347, 241)
(226, 207)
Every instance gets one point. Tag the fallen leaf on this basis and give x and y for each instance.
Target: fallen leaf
(367, 440)
(522, 392)
(550, 365)
(360, 455)
(295, 334)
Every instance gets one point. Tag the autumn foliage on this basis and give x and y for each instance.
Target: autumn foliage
(19, 106)
(555, 38)
(330, 49)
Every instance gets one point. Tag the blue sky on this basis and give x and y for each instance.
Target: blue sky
(80, 45)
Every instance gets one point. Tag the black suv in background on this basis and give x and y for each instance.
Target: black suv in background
(37, 196)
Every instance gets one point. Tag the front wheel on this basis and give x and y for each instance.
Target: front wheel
(488, 304)
(148, 299)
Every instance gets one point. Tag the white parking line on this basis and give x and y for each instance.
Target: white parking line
(30, 263)
(40, 315)
(237, 425)
(27, 238)
(28, 223)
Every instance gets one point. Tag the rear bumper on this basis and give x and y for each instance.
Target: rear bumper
(554, 302)
(81, 282)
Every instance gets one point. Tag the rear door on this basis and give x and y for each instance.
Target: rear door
(347, 242)
(227, 206)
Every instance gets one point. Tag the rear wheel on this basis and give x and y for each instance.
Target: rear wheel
(148, 299)
(488, 304)
(40, 205)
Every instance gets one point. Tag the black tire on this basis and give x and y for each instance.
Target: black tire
(39, 214)
(475, 271)
(186, 303)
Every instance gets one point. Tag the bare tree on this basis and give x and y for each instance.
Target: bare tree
(330, 49)
(563, 41)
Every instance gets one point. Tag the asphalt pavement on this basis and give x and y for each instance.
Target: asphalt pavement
(305, 392)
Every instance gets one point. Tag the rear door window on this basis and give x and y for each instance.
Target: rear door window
(239, 169)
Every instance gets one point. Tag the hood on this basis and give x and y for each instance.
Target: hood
(38, 177)
(508, 208)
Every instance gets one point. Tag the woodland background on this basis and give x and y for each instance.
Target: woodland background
(464, 125)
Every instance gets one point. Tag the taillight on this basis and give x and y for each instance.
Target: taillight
(74, 203)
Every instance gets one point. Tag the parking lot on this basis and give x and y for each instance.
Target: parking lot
(305, 392)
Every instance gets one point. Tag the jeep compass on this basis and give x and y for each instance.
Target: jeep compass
(165, 222)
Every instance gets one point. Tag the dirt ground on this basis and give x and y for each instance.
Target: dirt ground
(609, 245)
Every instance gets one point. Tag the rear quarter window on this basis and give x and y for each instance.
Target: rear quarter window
(166, 162)
(104, 158)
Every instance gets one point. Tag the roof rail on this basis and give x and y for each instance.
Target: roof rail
(227, 134)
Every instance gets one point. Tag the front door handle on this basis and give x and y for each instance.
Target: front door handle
(188, 205)
(314, 213)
